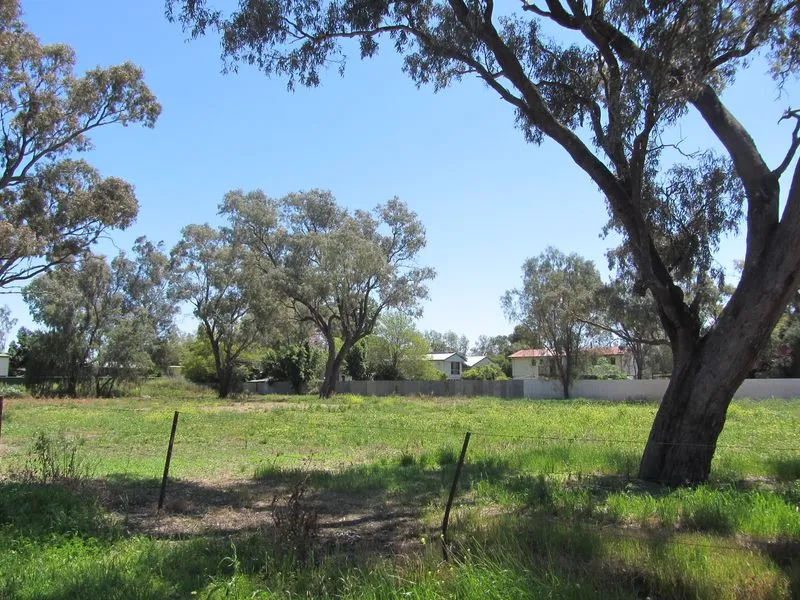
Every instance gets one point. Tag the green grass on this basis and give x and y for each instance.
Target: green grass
(548, 505)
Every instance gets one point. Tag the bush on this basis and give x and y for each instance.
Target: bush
(295, 363)
(387, 372)
(423, 370)
(198, 365)
(604, 369)
(12, 391)
(54, 461)
(486, 372)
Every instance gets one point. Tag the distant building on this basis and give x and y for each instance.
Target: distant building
(540, 363)
(451, 364)
(478, 361)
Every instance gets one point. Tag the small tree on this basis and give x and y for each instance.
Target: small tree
(449, 341)
(338, 270)
(556, 300)
(396, 350)
(236, 313)
(81, 306)
(486, 372)
(295, 363)
(631, 316)
(18, 350)
(355, 362)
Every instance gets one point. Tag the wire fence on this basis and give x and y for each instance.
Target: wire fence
(159, 447)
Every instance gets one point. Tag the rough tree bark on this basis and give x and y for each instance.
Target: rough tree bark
(709, 369)
(333, 367)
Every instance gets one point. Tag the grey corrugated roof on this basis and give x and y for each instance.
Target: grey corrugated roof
(444, 356)
(473, 360)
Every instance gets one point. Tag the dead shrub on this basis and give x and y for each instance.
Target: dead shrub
(296, 527)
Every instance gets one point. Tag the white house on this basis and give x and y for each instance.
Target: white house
(450, 363)
(4, 361)
(539, 363)
(477, 361)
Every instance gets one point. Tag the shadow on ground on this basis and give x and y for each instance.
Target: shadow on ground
(214, 531)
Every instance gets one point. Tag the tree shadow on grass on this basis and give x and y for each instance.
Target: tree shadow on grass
(785, 469)
(616, 563)
(364, 511)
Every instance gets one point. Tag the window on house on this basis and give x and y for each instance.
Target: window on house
(455, 368)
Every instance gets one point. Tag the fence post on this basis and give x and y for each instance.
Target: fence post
(166, 463)
(446, 519)
(2, 399)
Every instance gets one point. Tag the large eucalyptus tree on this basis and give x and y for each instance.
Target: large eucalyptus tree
(54, 205)
(607, 91)
(338, 270)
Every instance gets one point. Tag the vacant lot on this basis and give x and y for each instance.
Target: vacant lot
(294, 497)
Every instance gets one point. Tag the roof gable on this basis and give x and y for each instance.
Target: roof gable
(446, 356)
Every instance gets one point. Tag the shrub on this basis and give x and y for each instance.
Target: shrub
(604, 369)
(487, 372)
(295, 363)
(296, 527)
(12, 391)
(54, 461)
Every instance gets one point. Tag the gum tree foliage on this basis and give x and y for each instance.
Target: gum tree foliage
(630, 317)
(97, 327)
(7, 323)
(145, 288)
(396, 350)
(607, 91)
(449, 341)
(339, 270)
(53, 205)
(295, 363)
(556, 300)
(209, 271)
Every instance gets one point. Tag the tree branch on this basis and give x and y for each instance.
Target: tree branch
(789, 114)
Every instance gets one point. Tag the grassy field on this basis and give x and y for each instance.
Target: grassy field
(294, 497)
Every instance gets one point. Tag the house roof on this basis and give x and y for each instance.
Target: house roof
(598, 350)
(531, 353)
(445, 356)
(474, 360)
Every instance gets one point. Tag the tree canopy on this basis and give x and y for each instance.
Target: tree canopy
(396, 350)
(556, 299)
(449, 341)
(210, 272)
(100, 328)
(338, 270)
(54, 205)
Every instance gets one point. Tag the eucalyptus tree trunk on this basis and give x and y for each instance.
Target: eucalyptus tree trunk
(333, 368)
(709, 369)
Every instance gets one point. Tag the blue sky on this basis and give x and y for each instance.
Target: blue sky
(488, 200)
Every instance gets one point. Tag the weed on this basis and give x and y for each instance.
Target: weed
(296, 527)
(407, 459)
(53, 461)
(12, 391)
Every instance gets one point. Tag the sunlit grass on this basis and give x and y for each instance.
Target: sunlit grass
(548, 504)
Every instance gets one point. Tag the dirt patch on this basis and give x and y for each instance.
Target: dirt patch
(230, 506)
